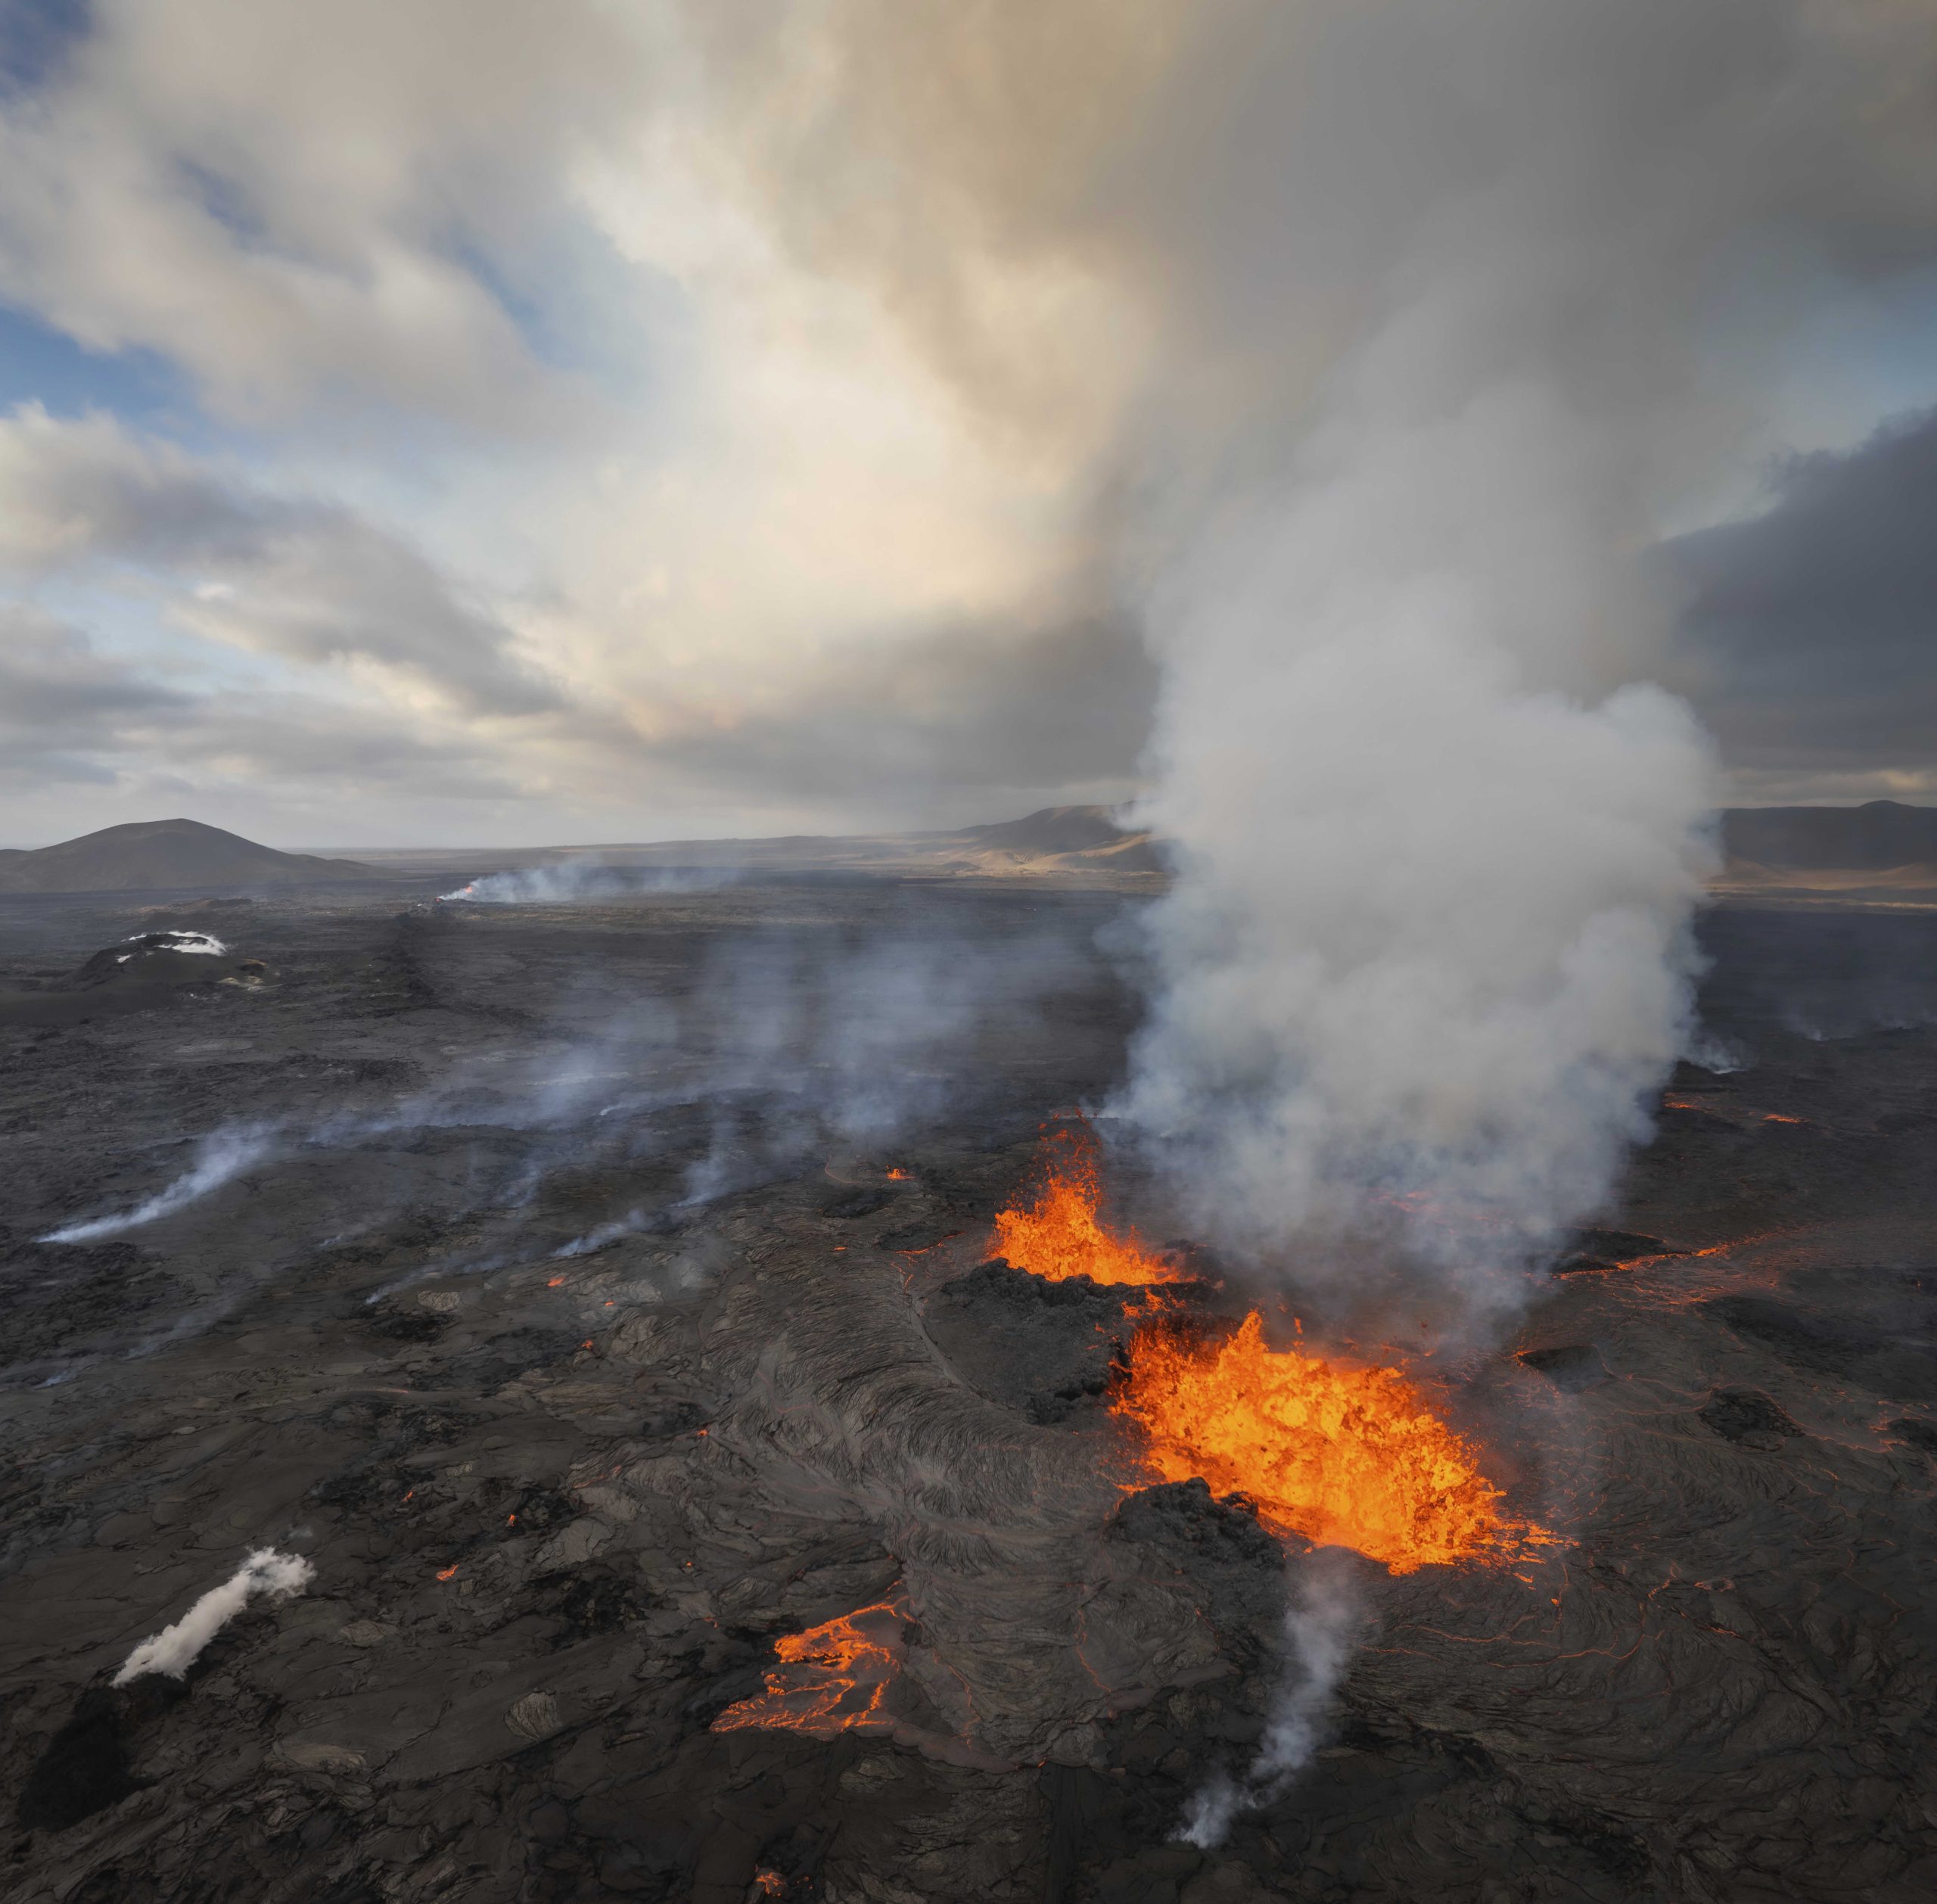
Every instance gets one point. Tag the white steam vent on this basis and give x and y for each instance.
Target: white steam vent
(175, 1649)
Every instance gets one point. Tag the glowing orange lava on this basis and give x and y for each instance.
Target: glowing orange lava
(1058, 1236)
(832, 1678)
(1350, 1457)
(897, 1175)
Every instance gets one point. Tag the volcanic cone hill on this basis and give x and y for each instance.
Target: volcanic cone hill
(164, 855)
(1881, 844)
(1069, 839)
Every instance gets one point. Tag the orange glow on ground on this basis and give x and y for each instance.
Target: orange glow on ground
(1349, 1457)
(832, 1678)
(1059, 1235)
(897, 1175)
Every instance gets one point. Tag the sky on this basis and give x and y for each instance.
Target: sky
(488, 422)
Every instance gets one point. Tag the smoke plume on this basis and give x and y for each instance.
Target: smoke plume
(1399, 337)
(220, 1157)
(1438, 838)
(1319, 1631)
(175, 1649)
(1387, 339)
(586, 882)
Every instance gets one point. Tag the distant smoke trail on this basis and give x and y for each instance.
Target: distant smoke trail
(1319, 1629)
(582, 882)
(172, 1650)
(222, 1156)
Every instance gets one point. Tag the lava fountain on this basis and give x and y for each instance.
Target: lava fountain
(1059, 1235)
(1339, 1456)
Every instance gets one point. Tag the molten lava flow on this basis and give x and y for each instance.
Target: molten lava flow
(1058, 1235)
(1350, 1457)
(832, 1678)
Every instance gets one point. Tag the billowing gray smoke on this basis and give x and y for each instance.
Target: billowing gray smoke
(1438, 838)
(1394, 334)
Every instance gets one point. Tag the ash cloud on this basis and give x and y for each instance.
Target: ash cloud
(1418, 357)
(1439, 832)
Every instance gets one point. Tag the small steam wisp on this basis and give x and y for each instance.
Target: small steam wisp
(1319, 1631)
(221, 1156)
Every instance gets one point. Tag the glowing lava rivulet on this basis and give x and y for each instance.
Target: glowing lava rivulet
(1059, 1235)
(832, 1678)
(1349, 1457)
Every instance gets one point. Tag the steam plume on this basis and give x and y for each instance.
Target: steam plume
(175, 1649)
(222, 1155)
(1318, 1629)
(580, 882)
(1397, 330)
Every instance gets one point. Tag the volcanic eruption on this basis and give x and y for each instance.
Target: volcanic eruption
(1338, 1456)
(1331, 1454)
(1059, 1235)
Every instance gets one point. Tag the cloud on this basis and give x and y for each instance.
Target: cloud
(291, 206)
(710, 421)
(990, 714)
(1808, 634)
(297, 576)
(62, 707)
(73, 714)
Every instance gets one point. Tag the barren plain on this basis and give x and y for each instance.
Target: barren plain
(596, 1294)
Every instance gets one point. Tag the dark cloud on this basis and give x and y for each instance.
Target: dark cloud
(1809, 632)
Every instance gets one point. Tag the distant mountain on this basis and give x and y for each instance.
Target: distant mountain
(1058, 839)
(164, 856)
(1052, 829)
(1881, 836)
